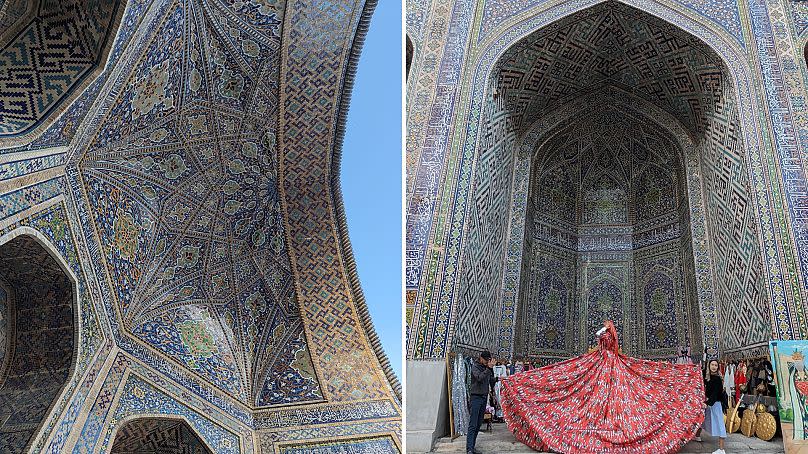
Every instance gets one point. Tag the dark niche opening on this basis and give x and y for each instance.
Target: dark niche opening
(159, 436)
(38, 338)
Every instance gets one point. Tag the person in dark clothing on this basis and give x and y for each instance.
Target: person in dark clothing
(482, 381)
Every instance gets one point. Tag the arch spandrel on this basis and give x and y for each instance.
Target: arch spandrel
(723, 16)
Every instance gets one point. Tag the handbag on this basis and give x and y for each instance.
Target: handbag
(724, 400)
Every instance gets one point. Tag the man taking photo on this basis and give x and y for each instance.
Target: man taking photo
(482, 380)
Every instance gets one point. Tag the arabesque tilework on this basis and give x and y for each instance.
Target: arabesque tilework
(166, 181)
(370, 446)
(199, 219)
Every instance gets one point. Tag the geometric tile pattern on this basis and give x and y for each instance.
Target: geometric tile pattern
(128, 392)
(437, 71)
(60, 128)
(14, 12)
(143, 391)
(799, 12)
(168, 436)
(724, 13)
(53, 225)
(15, 202)
(744, 312)
(569, 70)
(483, 259)
(430, 118)
(41, 349)
(782, 75)
(13, 169)
(50, 57)
(542, 72)
(345, 351)
(346, 435)
(6, 328)
(279, 419)
(608, 44)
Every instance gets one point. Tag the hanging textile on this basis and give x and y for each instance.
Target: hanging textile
(740, 381)
(729, 379)
(500, 372)
(460, 395)
(729, 384)
(605, 401)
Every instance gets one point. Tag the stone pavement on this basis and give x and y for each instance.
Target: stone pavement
(500, 440)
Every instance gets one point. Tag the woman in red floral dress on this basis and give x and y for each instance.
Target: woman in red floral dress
(605, 401)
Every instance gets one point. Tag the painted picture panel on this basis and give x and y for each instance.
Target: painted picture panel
(788, 359)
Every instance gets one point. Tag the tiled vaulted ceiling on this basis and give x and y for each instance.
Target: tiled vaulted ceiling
(180, 179)
(610, 44)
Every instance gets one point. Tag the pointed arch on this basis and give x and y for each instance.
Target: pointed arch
(40, 302)
(161, 433)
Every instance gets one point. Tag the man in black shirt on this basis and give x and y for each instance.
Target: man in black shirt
(482, 380)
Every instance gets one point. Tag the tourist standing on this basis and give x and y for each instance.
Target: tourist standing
(714, 412)
(482, 379)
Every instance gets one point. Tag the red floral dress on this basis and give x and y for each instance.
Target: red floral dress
(740, 379)
(605, 402)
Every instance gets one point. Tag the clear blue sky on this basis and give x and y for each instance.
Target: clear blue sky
(372, 173)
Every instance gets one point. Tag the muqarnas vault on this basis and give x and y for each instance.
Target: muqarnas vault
(573, 161)
(174, 262)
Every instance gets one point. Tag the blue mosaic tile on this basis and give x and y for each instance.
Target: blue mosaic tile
(20, 200)
(23, 167)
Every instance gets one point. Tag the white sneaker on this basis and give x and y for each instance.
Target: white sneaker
(719, 451)
(697, 439)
